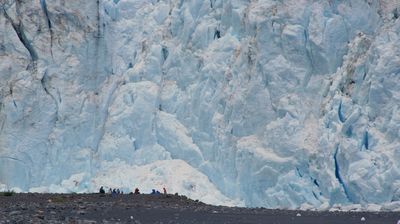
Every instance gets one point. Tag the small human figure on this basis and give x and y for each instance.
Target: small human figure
(137, 191)
(114, 192)
(217, 34)
(110, 190)
(118, 192)
(102, 191)
(157, 192)
(153, 191)
(165, 190)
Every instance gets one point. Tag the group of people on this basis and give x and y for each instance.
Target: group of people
(111, 191)
(116, 191)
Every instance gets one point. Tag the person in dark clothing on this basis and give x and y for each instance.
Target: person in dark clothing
(153, 191)
(137, 191)
(102, 191)
(217, 34)
(114, 192)
(118, 192)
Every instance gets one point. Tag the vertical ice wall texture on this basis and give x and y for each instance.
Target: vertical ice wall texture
(278, 103)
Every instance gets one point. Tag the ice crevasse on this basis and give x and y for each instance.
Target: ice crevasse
(280, 104)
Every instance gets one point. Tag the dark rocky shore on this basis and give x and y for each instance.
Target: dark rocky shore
(96, 208)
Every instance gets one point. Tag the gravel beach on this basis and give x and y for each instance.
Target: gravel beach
(97, 208)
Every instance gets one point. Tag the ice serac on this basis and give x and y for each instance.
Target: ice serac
(260, 103)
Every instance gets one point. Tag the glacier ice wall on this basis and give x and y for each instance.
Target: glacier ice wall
(277, 103)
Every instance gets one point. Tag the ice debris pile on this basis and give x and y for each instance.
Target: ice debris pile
(268, 103)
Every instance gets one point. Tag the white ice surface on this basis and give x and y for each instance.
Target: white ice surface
(296, 105)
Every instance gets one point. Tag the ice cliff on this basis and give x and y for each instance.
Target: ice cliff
(274, 103)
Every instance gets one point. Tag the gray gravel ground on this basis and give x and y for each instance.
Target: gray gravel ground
(96, 208)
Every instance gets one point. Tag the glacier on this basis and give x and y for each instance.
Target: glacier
(259, 103)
